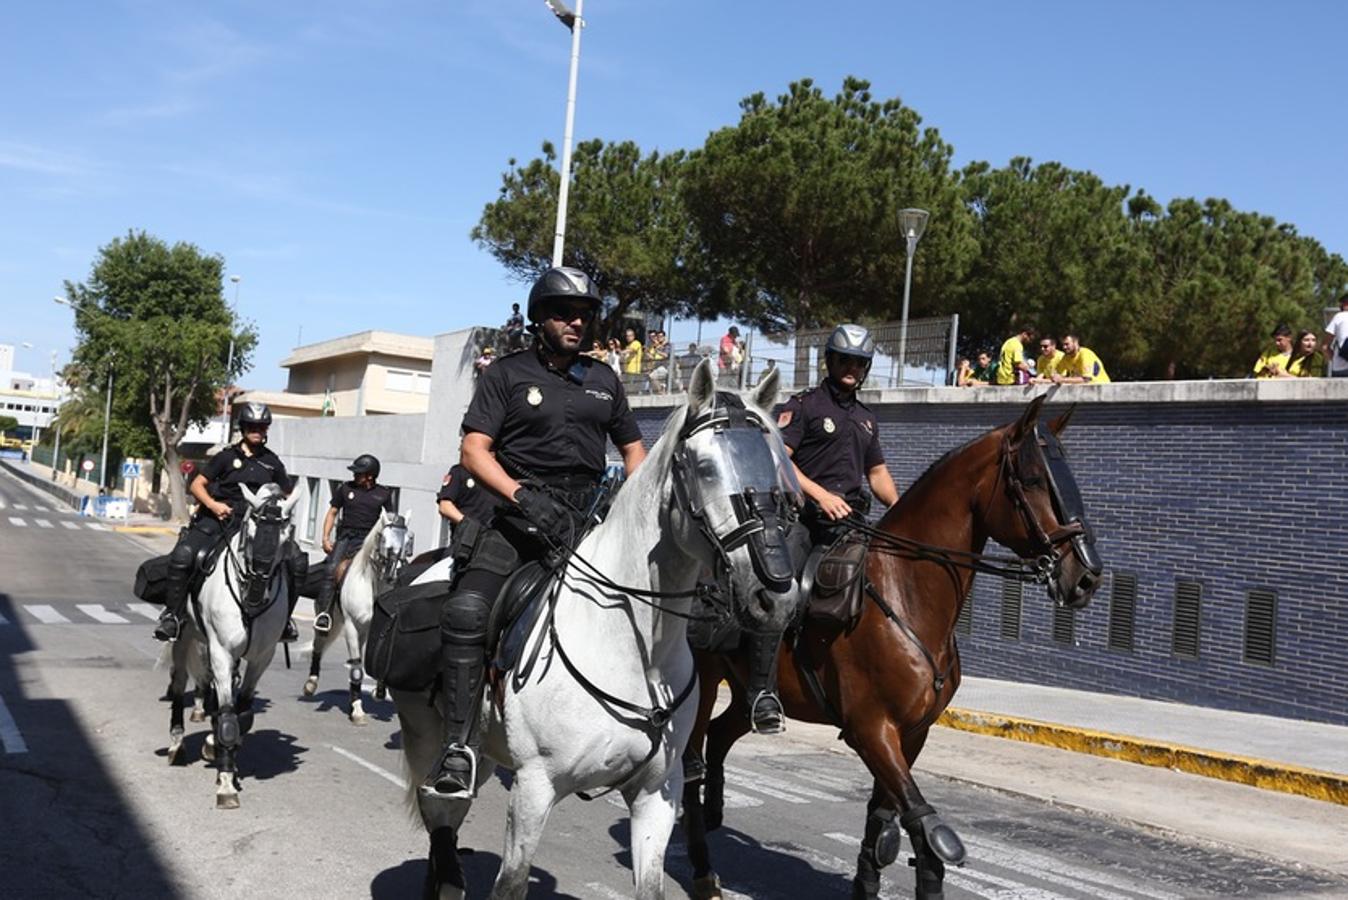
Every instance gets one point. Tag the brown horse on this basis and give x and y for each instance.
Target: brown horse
(887, 678)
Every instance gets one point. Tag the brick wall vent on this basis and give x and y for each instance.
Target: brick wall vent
(964, 622)
(1261, 610)
(1012, 592)
(1064, 624)
(1122, 610)
(1188, 605)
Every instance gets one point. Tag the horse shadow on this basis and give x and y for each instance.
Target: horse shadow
(480, 868)
(773, 872)
(340, 700)
(269, 753)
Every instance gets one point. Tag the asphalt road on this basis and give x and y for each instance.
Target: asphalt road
(88, 806)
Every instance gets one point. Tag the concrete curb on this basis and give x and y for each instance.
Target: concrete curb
(145, 529)
(1261, 773)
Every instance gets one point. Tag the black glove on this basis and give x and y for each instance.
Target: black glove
(549, 516)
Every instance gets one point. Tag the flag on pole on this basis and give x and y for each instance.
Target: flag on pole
(329, 407)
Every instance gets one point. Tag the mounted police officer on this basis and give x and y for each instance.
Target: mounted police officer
(359, 501)
(218, 488)
(834, 444)
(461, 498)
(535, 435)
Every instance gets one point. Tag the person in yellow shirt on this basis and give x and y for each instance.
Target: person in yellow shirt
(1011, 365)
(631, 354)
(1273, 363)
(1049, 357)
(1304, 361)
(1079, 365)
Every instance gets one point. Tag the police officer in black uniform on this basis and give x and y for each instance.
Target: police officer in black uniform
(461, 498)
(359, 501)
(834, 444)
(534, 435)
(219, 490)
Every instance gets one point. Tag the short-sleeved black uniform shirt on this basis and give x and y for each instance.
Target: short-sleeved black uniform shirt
(473, 500)
(231, 468)
(833, 437)
(360, 508)
(548, 422)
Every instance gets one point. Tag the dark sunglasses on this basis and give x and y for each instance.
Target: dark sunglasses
(567, 312)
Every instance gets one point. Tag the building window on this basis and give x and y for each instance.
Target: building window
(311, 520)
(1261, 614)
(1012, 592)
(408, 382)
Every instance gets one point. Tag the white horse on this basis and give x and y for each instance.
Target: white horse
(240, 613)
(374, 568)
(607, 703)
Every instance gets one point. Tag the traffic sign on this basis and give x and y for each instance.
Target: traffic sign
(130, 470)
(87, 465)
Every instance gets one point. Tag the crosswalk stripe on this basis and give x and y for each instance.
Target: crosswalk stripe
(144, 609)
(751, 784)
(768, 781)
(73, 526)
(2, 504)
(47, 615)
(40, 509)
(43, 523)
(1059, 873)
(94, 526)
(15, 520)
(96, 612)
(20, 506)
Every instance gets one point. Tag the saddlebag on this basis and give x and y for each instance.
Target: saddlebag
(838, 583)
(152, 580)
(404, 647)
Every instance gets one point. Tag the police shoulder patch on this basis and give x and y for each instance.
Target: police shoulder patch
(784, 418)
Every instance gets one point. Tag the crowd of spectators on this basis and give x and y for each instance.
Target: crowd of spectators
(1073, 364)
(1300, 356)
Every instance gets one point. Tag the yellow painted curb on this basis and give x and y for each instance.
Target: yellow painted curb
(145, 529)
(1259, 773)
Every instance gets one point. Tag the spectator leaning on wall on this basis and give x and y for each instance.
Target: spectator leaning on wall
(1079, 365)
(1336, 341)
(1011, 365)
(986, 370)
(1273, 363)
(1049, 357)
(1304, 362)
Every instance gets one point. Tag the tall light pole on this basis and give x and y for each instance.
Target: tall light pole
(229, 365)
(35, 433)
(575, 23)
(913, 222)
(56, 448)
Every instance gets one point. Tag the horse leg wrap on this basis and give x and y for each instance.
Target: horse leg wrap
(245, 710)
(444, 869)
(227, 733)
(357, 674)
(713, 803)
(883, 837)
(923, 822)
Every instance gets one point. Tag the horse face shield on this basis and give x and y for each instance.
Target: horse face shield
(1070, 511)
(748, 467)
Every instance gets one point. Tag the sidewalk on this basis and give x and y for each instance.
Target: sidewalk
(1288, 755)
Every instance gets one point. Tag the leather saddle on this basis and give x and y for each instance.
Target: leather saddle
(521, 600)
(834, 582)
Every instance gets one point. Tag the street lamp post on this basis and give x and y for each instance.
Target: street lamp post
(229, 365)
(913, 222)
(107, 420)
(55, 420)
(575, 23)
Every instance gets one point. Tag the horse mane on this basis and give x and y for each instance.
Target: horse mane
(931, 474)
(362, 557)
(639, 488)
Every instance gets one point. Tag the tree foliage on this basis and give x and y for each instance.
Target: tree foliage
(154, 317)
(788, 219)
(7, 423)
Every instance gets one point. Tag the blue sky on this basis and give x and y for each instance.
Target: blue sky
(337, 154)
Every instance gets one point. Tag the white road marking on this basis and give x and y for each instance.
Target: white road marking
(750, 783)
(10, 735)
(15, 520)
(1055, 871)
(963, 878)
(74, 526)
(2, 504)
(94, 526)
(144, 609)
(40, 509)
(378, 770)
(20, 506)
(96, 612)
(777, 783)
(46, 615)
(43, 523)
(603, 890)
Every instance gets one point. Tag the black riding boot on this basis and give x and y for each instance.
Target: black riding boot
(765, 710)
(175, 603)
(462, 663)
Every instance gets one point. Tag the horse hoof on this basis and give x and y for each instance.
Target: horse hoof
(226, 801)
(310, 685)
(198, 714)
(359, 719)
(175, 753)
(208, 748)
(707, 888)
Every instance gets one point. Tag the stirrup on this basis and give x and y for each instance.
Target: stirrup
(323, 623)
(765, 721)
(431, 786)
(168, 629)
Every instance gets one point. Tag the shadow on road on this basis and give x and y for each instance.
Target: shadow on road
(80, 836)
(479, 867)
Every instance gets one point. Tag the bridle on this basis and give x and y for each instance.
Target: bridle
(388, 560)
(1067, 503)
(259, 554)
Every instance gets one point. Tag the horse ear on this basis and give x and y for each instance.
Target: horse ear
(1025, 424)
(765, 395)
(1059, 425)
(249, 495)
(701, 389)
(289, 503)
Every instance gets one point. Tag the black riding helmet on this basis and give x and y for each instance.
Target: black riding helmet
(365, 464)
(564, 283)
(254, 414)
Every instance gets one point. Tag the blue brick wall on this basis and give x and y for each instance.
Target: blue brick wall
(1235, 496)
